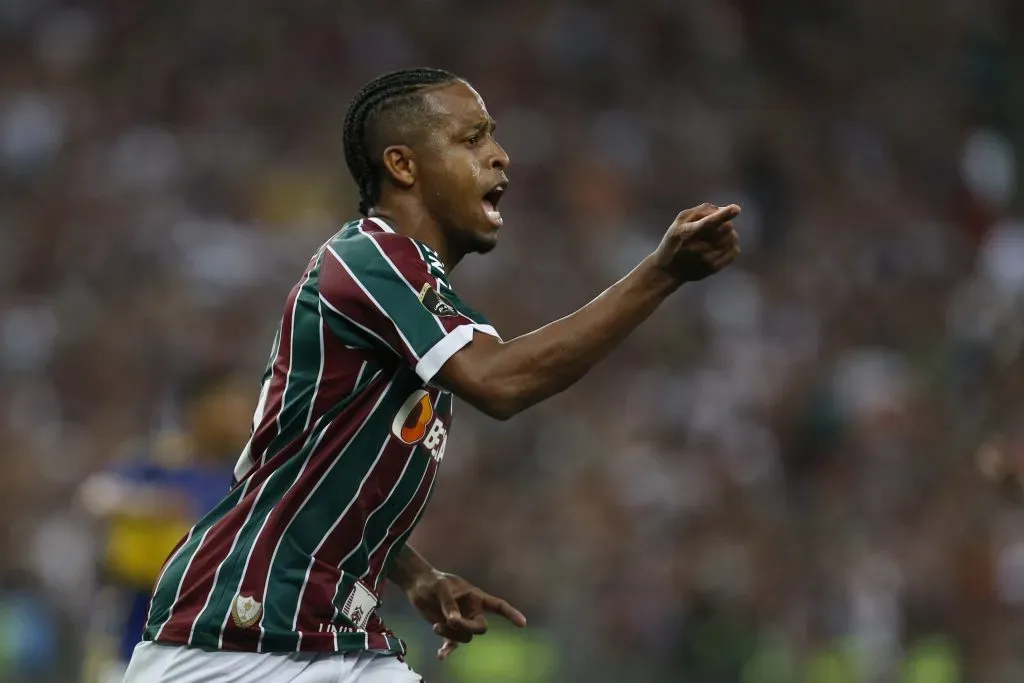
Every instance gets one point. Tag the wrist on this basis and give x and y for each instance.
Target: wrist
(657, 279)
(410, 569)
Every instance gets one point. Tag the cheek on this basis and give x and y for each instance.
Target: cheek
(460, 165)
(450, 181)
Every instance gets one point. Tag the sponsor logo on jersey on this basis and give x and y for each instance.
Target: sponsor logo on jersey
(415, 423)
(411, 420)
(245, 611)
(435, 303)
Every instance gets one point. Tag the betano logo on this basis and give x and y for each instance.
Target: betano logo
(411, 422)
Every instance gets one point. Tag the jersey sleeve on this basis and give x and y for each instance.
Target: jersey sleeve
(380, 288)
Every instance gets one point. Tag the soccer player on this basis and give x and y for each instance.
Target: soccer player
(281, 581)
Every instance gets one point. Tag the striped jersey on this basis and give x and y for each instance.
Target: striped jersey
(347, 438)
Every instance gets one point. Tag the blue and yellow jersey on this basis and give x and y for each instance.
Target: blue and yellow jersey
(138, 542)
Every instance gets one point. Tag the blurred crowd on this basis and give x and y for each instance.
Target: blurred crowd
(773, 481)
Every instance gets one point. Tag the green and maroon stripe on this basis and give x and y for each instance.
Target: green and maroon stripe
(373, 286)
(305, 363)
(197, 576)
(327, 583)
(406, 520)
(379, 528)
(213, 557)
(343, 295)
(404, 257)
(175, 587)
(324, 578)
(310, 455)
(204, 630)
(324, 457)
(380, 562)
(268, 429)
(330, 499)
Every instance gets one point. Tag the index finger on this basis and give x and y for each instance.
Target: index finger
(713, 220)
(502, 607)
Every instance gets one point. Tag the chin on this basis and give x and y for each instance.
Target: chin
(472, 235)
(484, 243)
(480, 238)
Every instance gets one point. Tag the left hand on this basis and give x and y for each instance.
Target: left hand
(457, 608)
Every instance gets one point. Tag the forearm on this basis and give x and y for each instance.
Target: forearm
(535, 366)
(409, 565)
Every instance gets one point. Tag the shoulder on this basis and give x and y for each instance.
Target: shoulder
(369, 245)
(363, 238)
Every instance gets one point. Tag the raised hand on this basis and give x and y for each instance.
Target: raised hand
(700, 242)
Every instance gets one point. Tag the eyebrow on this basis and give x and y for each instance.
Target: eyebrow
(489, 125)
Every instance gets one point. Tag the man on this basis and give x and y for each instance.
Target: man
(281, 580)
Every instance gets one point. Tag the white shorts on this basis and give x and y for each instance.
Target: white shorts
(153, 663)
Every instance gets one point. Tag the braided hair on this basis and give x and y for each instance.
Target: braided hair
(395, 94)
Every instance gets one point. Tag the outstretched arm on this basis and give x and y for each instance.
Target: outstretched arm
(504, 378)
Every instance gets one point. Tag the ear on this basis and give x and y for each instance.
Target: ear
(400, 165)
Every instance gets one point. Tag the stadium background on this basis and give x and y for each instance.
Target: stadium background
(773, 481)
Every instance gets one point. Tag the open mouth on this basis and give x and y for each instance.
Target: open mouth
(491, 200)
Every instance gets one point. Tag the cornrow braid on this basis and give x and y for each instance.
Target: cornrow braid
(380, 94)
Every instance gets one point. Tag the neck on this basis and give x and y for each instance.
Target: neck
(412, 221)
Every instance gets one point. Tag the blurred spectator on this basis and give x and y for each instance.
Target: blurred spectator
(147, 504)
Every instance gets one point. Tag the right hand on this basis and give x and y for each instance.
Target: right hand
(700, 242)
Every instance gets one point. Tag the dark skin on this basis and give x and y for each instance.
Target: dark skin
(456, 608)
(435, 188)
(435, 183)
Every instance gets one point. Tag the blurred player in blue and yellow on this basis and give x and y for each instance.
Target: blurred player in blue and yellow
(148, 503)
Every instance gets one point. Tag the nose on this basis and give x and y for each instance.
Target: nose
(499, 159)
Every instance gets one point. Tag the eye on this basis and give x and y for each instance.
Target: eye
(474, 139)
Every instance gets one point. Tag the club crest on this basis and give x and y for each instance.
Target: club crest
(245, 611)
